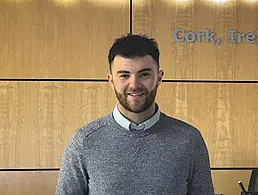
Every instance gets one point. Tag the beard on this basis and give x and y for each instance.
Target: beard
(146, 101)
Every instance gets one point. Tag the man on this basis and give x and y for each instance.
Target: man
(136, 149)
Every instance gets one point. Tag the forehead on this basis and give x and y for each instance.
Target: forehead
(134, 64)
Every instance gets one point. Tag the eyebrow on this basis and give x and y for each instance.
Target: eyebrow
(127, 72)
(144, 70)
(122, 71)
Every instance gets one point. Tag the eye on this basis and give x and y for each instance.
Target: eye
(145, 74)
(124, 76)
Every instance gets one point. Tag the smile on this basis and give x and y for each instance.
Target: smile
(135, 94)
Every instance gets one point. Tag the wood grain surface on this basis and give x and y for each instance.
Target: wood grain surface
(201, 60)
(28, 182)
(44, 182)
(225, 181)
(38, 118)
(226, 114)
(50, 39)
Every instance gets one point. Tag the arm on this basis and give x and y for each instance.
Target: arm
(73, 179)
(200, 180)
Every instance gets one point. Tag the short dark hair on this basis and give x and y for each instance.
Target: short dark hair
(133, 45)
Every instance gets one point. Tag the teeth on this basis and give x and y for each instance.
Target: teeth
(135, 94)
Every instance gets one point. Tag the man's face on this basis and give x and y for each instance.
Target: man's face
(135, 82)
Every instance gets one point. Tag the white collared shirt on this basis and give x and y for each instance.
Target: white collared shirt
(124, 122)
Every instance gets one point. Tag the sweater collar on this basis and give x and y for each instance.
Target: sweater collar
(129, 125)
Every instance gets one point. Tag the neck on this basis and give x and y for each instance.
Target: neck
(137, 118)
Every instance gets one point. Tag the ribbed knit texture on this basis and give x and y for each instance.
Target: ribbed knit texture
(103, 158)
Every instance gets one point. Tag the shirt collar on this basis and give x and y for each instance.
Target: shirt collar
(124, 122)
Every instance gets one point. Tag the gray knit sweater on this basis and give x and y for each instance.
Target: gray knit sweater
(103, 158)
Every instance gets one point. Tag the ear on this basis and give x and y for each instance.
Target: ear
(160, 75)
(110, 80)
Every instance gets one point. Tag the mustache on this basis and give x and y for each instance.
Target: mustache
(138, 90)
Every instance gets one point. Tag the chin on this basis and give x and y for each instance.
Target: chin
(137, 109)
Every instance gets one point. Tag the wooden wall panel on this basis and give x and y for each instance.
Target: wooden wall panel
(44, 182)
(201, 60)
(225, 181)
(46, 39)
(38, 118)
(226, 114)
(28, 182)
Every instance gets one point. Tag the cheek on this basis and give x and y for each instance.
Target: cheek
(120, 86)
(150, 85)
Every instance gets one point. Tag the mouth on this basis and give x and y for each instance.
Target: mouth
(135, 94)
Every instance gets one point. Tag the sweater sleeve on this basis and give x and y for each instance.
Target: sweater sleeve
(72, 178)
(200, 180)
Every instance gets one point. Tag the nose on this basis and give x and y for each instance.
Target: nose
(133, 82)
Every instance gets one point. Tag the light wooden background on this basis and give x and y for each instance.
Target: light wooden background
(206, 85)
(201, 61)
(225, 181)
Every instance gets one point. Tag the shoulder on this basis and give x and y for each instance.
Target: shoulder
(75, 146)
(184, 133)
(83, 132)
(179, 126)
(174, 122)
